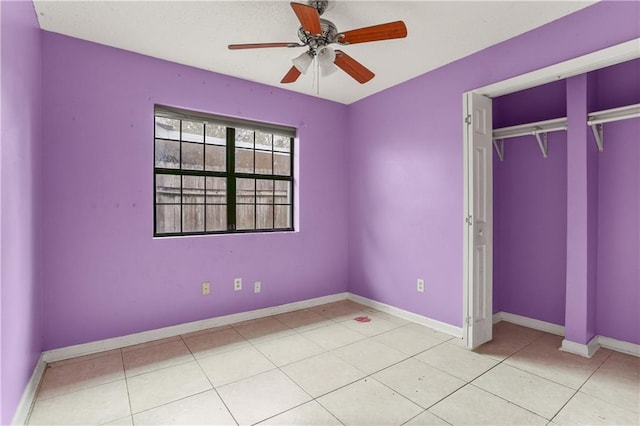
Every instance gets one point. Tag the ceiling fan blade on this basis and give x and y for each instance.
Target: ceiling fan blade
(386, 31)
(352, 67)
(262, 45)
(309, 18)
(291, 76)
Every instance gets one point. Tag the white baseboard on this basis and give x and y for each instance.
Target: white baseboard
(619, 346)
(585, 350)
(60, 354)
(176, 330)
(535, 324)
(409, 316)
(29, 395)
(53, 355)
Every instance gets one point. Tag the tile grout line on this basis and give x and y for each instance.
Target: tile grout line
(37, 394)
(595, 371)
(546, 378)
(543, 333)
(312, 397)
(126, 384)
(37, 398)
(509, 402)
(425, 411)
(534, 374)
(469, 382)
(369, 375)
(509, 365)
(209, 380)
(83, 358)
(446, 372)
(127, 376)
(580, 387)
(279, 368)
(194, 358)
(365, 338)
(325, 351)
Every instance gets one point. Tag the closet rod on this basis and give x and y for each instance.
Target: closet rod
(539, 129)
(555, 125)
(615, 114)
(597, 119)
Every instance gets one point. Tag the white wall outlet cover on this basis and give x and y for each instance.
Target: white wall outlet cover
(257, 287)
(420, 285)
(237, 284)
(206, 288)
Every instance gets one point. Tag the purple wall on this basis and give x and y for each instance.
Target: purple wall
(391, 164)
(618, 283)
(530, 229)
(20, 297)
(405, 158)
(617, 85)
(539, 103)
(105, 274)
(618, 291)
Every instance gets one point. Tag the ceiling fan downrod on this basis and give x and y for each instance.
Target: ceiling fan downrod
(320, 5)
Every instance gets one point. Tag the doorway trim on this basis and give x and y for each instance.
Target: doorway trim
(613, 55)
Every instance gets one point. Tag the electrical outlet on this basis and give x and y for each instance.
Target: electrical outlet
(257, 287)
(420, 285)
(206, 288)
(237, 284)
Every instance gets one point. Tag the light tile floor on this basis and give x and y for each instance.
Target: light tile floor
(320, 367)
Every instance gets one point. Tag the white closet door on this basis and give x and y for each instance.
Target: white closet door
(479, 220)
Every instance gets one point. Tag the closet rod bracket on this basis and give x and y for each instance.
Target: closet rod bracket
(597, 130)
(598, 118)
(498, 144)
(542, 142)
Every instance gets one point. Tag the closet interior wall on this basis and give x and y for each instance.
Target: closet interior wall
(618, 247)
(530, 208)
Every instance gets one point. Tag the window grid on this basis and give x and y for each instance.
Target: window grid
(230, 176)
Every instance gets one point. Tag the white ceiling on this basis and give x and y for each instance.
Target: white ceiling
(197, 33)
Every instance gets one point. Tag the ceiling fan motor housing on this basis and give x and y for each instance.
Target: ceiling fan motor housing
(328, 36)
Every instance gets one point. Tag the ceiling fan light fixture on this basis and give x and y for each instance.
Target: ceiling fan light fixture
(302, 62)
(327, 70)
(326, 56)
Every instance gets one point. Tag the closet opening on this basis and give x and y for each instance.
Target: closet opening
(530, 204)
(543, 86)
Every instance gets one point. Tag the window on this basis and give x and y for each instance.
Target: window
(220, 175)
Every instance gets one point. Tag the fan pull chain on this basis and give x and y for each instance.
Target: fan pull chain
(317, 75)
(315, 78)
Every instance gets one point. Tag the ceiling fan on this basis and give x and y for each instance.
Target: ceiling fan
(317, 34)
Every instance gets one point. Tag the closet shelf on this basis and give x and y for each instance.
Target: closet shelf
(539, 129)
(597, 119)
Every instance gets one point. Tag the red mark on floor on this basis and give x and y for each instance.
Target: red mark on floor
(362, 319)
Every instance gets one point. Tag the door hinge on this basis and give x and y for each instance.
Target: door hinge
(467, 320)
(467, 119)
(469, 220)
